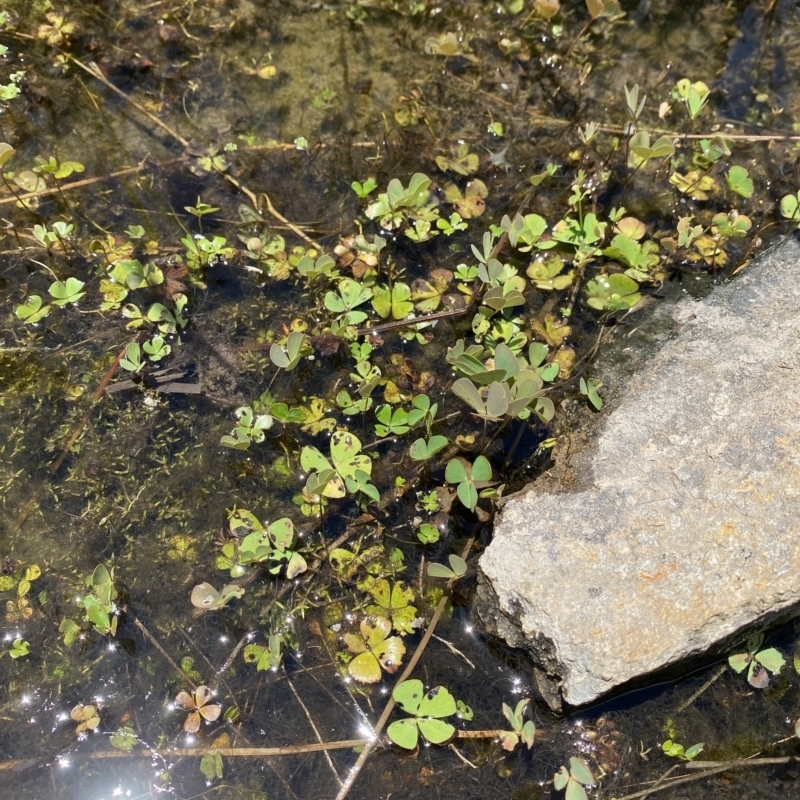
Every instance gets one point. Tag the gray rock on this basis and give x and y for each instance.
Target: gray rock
(674, 525)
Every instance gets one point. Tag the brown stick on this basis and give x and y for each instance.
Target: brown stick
(21, 764)
(194, 752)
(95, 72)
(88, 181)
(706, 773)
(407, 323)
(161, 650)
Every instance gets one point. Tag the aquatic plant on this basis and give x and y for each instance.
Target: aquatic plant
(100, 606)
(574, 779)
(522, 730)
(206, 597)
(676, 750)
(348, 469)
(427, 710)
(249, 428)
(87, 717)
(758, 663)
(375, 650)
(254, 543)
(457, 568)
(520, 302)
(468, 478)
(199, 706)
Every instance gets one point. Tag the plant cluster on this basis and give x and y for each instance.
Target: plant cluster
(521, 281)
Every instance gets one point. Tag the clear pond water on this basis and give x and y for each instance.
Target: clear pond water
(314, 96)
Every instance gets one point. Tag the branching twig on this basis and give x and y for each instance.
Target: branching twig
(152, 639)
(95, 72)
(709, 771)
(683, 706)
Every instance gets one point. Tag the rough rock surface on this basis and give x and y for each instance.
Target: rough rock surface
(675, 525)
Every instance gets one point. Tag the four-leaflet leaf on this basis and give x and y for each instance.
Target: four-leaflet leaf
(427, 710)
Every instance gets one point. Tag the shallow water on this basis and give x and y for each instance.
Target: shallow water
(139, 480)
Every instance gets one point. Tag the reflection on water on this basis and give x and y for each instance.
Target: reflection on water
(139, 480)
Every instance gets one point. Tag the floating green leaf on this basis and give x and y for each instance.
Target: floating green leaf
(124, 739)
(739, 181)
(374, 649)
(616, 292)
(428, 711)
(205, 596)
(393, 602)
(457, 568)
(68, 291)
(289, 358)
(790, 206)
(422, 449)
(394, 301)
(31, 310)
(211, 766)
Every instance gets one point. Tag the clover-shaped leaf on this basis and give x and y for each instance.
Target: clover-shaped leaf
(693, 184)
(31, 310)
(346, 455)
(578, 776)
(428, 710)
(422, 449)
(545, 272)
(124, 739)
(198, 704)
(551, 329)
(465, 475)
(351, 294)
(393, 602)
(759, 663)
(740, 181)
(205, 596)
(86, 716)
(68, 291)
(612, 292)
(394, 301)
(462, 162)
(296, 348)
(374, 649)
(470, 204)
(457, 568)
